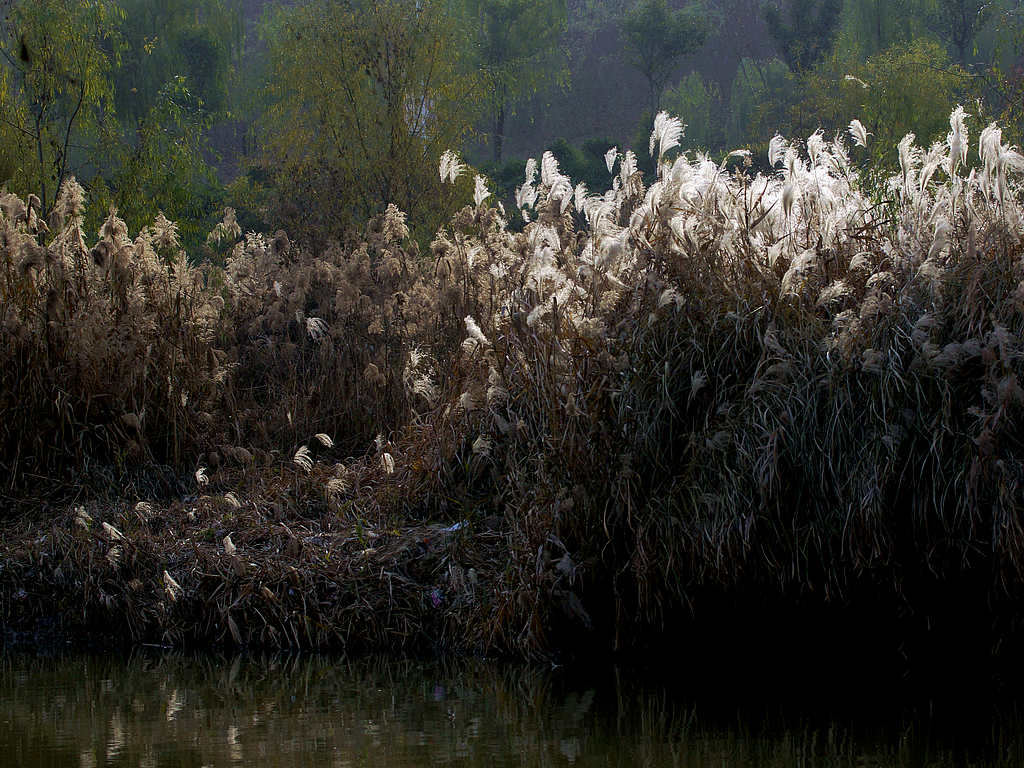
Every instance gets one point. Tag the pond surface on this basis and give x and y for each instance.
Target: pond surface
(161, 710)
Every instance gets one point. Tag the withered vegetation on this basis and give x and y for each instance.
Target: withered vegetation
(793, 384)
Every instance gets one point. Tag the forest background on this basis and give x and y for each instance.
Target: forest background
(313, 116)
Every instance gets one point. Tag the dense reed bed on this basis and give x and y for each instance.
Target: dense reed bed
(715, 383)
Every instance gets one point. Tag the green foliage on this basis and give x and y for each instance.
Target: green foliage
(516, 44)
(56, 99)
(756, 109)
(896, 92)
(905, 87)
(868, 27)
(699, 103)
(361, 101)
(584, 163)
(164, 170)
(958, 22)
(804, 31)
(655, 37)
(193, 39)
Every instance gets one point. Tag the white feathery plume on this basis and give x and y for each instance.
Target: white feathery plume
(480, 192)
(777, 150)
(474, 331)
(941, 238)
(387, 462)
(174, 590)
(229, 546)
(338, 486)
(112, 533)
(304, 458)
(910, 157)
(526, 196)
(316, 328)
(450, 167)
(549, 173)
(859, 133)
(201, 478)
(610, 157)
(579, 196)
(789, 192)
(531, 171)
(989, 144)
(667, 132)
(957, 139)
(815, 147)
(325, 440)
(930, 164)
(746, 154)
(997, 159)
(627, 167)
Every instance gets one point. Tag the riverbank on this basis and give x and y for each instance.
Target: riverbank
(270, 567)
(254, 568)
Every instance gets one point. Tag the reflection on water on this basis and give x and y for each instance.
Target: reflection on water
(157, 711)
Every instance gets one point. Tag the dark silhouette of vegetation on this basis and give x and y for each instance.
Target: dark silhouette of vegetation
(804, 30)
(656, 37)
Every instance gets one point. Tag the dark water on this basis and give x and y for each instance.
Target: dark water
(161, 710)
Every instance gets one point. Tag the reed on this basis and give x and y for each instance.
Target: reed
(789, 382)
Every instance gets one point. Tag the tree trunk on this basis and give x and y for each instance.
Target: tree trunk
(499, 126)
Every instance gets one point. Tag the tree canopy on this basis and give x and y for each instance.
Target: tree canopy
(655, 37)
(361, 101)
(804, 30)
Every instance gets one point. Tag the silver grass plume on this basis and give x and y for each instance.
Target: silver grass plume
(303, 458)
(316, 328)
(610, 157)
(450, 167)
(480, 192)
(859, 133)
(667, 132)
(958, 140)
(777, 150)
(549, 172)
(174, 590)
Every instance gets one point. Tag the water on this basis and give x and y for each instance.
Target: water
(165, 710)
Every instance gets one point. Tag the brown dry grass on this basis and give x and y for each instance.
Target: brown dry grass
(781, 384)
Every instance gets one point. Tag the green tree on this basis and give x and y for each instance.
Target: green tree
(516, 44)
(163, 170)
(56, 102)
(362, 99)
(655, 38)
(958, 22)
(871, 26)
(804, 30)
(196, 39)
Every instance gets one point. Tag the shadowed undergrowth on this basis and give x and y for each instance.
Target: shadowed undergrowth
(782, 385)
